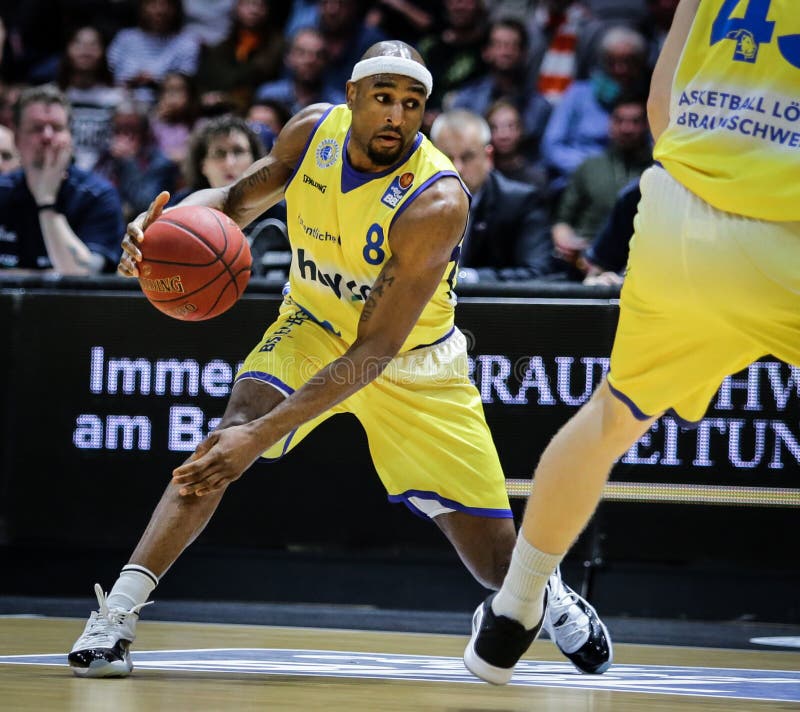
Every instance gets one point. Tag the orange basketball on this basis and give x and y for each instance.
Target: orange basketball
(195, 263)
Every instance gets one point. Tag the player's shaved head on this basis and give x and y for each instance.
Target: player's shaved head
(393, 48)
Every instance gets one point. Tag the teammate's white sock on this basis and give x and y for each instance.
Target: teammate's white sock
(134, 586)
(520, 596)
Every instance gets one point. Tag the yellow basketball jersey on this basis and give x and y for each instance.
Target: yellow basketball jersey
(734, 131)
(339, 221)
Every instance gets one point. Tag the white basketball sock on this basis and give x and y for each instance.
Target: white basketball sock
(134, 586)
(521, 595)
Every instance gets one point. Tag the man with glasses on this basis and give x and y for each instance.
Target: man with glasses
(53, 215)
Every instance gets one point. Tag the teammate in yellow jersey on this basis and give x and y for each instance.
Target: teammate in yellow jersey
(713, 281)
(376, 215)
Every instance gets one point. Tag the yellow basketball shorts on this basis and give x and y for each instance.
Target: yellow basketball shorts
(706, 294)
(424, 420)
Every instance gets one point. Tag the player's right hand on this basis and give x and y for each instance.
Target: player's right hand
(131, 254)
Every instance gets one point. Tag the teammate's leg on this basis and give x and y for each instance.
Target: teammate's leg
(567, 486)
(103, 648)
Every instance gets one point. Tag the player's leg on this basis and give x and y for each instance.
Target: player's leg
(674, 346)
(449, 470)
(484, 544)
(103, 648)
(290, 349)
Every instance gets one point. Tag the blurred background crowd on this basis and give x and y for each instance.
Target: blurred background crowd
(541, 105)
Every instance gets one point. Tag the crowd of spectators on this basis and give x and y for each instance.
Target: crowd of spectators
(539, 103)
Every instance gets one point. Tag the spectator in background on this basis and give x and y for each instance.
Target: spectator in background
(453, 55)
(346, 36)
(607, 256)
(139, 57)
(306, 84)
(593, 188)
(54, 215)
(250, 55)
(561, 47)
(84, 77)
(9, 156)
(208, 20)
(133, 162)
(175, 115)
(267, 117)
(507, 236)
(578, 126)
(219, 152)
(505, 55)
(509, 155)
(406, 20)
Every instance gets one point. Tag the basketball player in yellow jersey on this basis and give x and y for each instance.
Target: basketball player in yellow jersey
(713, 281)
(375, 216)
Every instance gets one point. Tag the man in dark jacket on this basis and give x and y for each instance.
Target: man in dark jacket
(507, 236)
(54, 216)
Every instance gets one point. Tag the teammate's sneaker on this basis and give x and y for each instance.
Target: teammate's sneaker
(576, 629)
(497, 643)
(103, 648)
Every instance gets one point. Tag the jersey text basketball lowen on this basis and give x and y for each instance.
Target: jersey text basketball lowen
(339, 221)
(734, 132)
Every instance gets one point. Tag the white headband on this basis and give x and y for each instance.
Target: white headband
(393, 65)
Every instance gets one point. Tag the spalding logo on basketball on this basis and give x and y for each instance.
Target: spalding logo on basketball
(195, 263)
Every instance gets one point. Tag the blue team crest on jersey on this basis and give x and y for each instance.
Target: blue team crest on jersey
(397, 189)
(746, 46)
(327, 152)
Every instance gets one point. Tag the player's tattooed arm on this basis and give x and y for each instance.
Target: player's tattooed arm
(263, 183)
(240, 193)
(384, 281)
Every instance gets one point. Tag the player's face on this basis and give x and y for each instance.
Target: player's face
(387, 114)
(40, 127)
(228, 156)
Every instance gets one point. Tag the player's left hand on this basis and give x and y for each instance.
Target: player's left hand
(217, 461)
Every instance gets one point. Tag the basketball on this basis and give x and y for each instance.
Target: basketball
(195, 263)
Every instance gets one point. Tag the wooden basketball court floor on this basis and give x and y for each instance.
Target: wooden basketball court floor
(210, 667)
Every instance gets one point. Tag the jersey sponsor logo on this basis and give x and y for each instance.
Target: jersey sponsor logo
(343, 288)
(327, 152)
(397, 189)
(315, 233)
(721, 683)
(308, 180)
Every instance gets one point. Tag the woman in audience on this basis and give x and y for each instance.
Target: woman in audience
(175, 115)
(84, 77)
